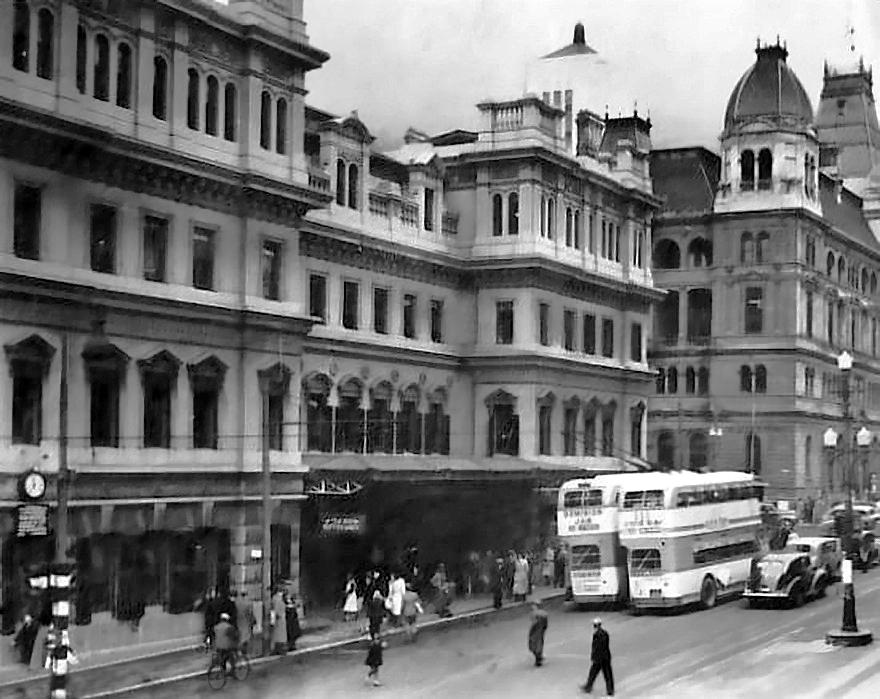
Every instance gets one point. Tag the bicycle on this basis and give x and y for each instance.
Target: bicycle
(218, 671)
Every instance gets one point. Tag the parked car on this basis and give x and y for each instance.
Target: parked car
(866, 514)
(824, 552)
(784, 576)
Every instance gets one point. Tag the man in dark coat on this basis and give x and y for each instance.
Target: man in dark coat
(600, 659)
(537, 631)
(496, 582)
(25, 638)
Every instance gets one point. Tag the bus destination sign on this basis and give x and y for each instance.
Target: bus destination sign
(580, 520)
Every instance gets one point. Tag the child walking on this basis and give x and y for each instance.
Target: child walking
(374, 661)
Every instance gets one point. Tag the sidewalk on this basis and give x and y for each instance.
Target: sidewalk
(101, 674)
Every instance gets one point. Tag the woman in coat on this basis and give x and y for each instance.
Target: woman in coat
(279, 623)
(520, 579)
(536, 633)
(350, 607)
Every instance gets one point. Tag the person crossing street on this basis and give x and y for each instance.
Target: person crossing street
(600, 659)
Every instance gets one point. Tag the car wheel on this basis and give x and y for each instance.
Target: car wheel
(753, 604)
(708, 593)
(798, 597)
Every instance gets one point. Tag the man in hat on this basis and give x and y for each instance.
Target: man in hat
(496, 582)
(536, 632)
(600, 659)
(226, 641)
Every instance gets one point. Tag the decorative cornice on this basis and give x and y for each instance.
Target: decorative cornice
(84, 152)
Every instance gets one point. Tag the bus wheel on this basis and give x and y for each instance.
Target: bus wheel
(708, 593)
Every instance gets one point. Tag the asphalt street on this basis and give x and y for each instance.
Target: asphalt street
(729, 651)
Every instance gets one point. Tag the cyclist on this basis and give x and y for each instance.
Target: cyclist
(226, 642)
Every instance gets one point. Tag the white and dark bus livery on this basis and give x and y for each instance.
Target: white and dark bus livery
(689, 537)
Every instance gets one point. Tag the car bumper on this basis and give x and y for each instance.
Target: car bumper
(749, 594)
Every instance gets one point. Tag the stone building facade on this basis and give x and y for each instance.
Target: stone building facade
(770, 263)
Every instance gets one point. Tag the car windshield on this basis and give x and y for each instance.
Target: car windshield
(797, 548)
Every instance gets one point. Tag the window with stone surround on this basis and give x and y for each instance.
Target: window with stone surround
(497, 215)
(101, 88)
(265, 120)
(275, 381)
(436, 320)
(27, 206)
(513, 214)
(203, 258)
(635, 342)
(504, 322)
(589, 333)
(429, 209)
(409, 316)
(544, 324)
(206, 381)
(230, 108)
(29, 362)
(568, 330)
(82, 40)
(409, 422)
(45, 36)
(102, 249)
(318, 296)
(105, 369)
(380, 310)
(437, 424)
(123, 76)
(545, 416)
(212, 105)
(754, 310)
(21, 36)
(350, 301)
(272, 261)
(192, 99)
(607, 337)
(159, 379)
(319, 414)
(155, 248)
(281, 126)
(160, 88)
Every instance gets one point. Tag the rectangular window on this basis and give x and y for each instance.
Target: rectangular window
(271, 270)
(436, 320)
(318, 297)
(809, 312)
(568, 330)
(504, 322)
(102, 250)
(276, 421)
(205, 405)
(350, 305)
(203, 258)
(544, 324)
(754, 311)
(157, 410)
(429, 209)
(544, 429)
(380, 310)
(27, 407)
(635, 342)
(409, 315)
(26, 227)
(155, 248)
(104, 409)
(589, 333)
(607, 337)
(569, 436)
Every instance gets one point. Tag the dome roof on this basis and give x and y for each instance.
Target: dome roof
(769, 91)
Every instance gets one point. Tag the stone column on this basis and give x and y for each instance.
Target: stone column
(682, 315)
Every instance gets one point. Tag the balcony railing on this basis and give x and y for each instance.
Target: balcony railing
(378, 206)
(409, 215)
(319, 181)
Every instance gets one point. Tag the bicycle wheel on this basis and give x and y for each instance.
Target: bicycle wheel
(242, 667)
(217, 675)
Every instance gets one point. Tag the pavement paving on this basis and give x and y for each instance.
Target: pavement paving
(730, 651)
(91, 680)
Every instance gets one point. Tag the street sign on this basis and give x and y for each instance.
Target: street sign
(33, 520)
(342, 524)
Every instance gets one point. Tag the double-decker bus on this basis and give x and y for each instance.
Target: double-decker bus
(690, 537)
(587, 524)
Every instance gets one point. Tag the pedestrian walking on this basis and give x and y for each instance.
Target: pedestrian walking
(376, 613)
(536, 632)
(520, 578)
(396, 593)
(509, 569)
(412, 607)
(600, 659)
(350, 606)
(291, 619)
(25, 639)
(374, 661)
(559, 567)
(496, 582)
(441, 591)
(278, 621)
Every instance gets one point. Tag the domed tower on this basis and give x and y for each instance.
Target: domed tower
(770, 151)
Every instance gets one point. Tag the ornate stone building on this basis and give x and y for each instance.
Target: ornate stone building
(483, 299)
(152, 177)
(771, 268)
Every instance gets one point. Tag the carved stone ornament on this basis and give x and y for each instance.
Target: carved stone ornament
(422, 379)
(395, 375)
(216, 44)
(333, 369)
(365, 372)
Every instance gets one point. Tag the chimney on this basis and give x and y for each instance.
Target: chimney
(569, 121)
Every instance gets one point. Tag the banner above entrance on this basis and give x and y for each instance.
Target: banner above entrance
(343, 524)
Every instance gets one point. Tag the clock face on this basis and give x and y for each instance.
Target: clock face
(34, 485)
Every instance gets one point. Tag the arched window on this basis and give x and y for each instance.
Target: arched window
(841, 269)
(746, 249)
(698, 448)
(353, 186)
(229, 99)
(666, 255)
(192, 99)
(569, 233)
(160, 88)
(666, 450)
(807, 175)
(513, 214)
(45, 31)
(281, 126)
(340, 182)
(497, 215)
(760, 379)
(864, 288)
(765, 168)
(661, 381)
(81, 59)
(747, 169)
(761, 243)
(265, 120)
(745, 378)
(123, 76)
(102, 68)
(551, 218)
(703, 381)
(21, 36)
(700, 253)
(543, 216)
(829, 264)
(690, 380)
(578, 233)
(753, 453)
(672, 380)
(212, 98)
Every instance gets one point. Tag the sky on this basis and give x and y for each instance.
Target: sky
(427, 63)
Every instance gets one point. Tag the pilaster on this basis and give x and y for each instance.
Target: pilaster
(7, 200)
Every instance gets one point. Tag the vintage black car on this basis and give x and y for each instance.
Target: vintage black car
(785, 576)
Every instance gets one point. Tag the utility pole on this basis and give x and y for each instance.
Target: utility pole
(267, 520)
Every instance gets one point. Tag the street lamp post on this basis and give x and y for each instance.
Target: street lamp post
(849, 634)
(715, 433)
(863, 439)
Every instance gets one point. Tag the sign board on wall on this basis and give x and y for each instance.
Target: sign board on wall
(32, 520)
(342, 524)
